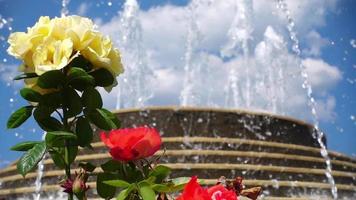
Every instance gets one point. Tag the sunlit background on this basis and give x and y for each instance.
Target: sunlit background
(211, 53)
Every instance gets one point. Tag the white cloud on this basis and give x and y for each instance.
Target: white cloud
(315, 43)
(164, 30)
(322, 75)
(7, 73)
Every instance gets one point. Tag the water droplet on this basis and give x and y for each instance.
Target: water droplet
(109, 3)
(11, 100)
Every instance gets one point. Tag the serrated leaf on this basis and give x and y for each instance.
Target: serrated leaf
(52, 100)
(160, 172)
(112, 117)
(72, 102)
(31, 158)
(81, 62)
(91, 98)
(30, 95)
(102, 77)
(84, 132)
(146, 192)
(45, 121)
(111, 166)
(51, 79)
(58, 156)
(118, 183)
(100, 119)
(25, 76)
(56, 138)
(87, 166)
(160, 188)
(125, 193)
(79, 78)
(24, 146)
(179, 183)
(105, 191)
(19, 117)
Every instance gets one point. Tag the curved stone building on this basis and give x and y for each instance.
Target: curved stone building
(275, 152)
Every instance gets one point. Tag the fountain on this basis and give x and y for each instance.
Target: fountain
(286, 156)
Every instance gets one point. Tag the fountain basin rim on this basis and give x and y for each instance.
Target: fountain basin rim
(12, 166)
(203, 152)
(214, 109)
(217, 166)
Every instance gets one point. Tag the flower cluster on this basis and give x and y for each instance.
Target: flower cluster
(223, 190)
(193, 191)
(51, 44)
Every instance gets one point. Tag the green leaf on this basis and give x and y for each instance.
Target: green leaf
(160, 172)
(79, 78)
(31, 158)
(52, 100)
(45, 121)
(125, 193)
(25, 76)
(100, 119)
(87, 166)
(56, 138)
(58, 155)
(72, 102)
(91, 98)
(118, 183)
(160, 188)
(84, 132)
(49, 124)
(51, 79)
(24, 146)
(104, 190)
(81, 62)
(179, 183)
(19, 117)
(102, 77)
(111, 166)
(30, 95)
(146, 191)
(112, 117)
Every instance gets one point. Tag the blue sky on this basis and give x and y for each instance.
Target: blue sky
(326, 36)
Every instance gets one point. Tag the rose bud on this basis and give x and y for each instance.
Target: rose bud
(132, 143)
(68, 186)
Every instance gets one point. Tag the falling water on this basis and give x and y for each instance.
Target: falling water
(134, 85)
(239, 34)
(271, 55)
(189, 94)
(64, 10)
(312, 104)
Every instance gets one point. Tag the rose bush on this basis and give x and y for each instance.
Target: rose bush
(64, 60)
(132, 143)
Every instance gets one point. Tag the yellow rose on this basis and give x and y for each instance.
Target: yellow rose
(53, 55)
(101, 54)
(51, 44)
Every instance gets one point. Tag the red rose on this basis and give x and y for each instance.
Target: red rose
(132, 143)
(193, 191)
(219, 192)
